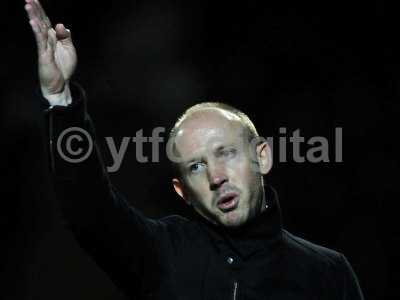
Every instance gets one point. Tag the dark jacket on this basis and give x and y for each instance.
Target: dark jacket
(177, 258)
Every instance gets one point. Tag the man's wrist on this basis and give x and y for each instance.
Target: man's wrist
(60, 99)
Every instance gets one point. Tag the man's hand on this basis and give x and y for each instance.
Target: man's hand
(57, 57)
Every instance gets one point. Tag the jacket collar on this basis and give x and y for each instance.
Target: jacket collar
(262, 231)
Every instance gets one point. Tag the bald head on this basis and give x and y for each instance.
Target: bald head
(229, 111)
(205, 120)
(204, 128)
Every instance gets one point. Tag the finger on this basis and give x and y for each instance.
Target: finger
(62, 33)
(35, 27)
(38, 12)
(35, 9)
(52, 39)
(33, 14)
(42, 13)
(31, 11)
(38, 27)
(40, 35)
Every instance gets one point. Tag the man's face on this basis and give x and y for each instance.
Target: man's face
(220, 176)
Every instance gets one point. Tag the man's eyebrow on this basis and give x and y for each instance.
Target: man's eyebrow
(219, 148)
(223, 146)
(216, 150)
(191, 160)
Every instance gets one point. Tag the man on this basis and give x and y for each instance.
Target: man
(235, 247)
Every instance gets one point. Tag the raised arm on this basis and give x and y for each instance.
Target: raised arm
(123, 242)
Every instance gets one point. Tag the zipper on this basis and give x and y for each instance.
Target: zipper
(235, 290)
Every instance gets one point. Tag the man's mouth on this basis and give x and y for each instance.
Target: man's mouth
(228, 201)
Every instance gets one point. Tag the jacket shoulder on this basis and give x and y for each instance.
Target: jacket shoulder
(174, 219)
(178, 230)
(173, 223)
(310, 251)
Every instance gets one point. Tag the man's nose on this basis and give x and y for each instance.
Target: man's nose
(217, 177)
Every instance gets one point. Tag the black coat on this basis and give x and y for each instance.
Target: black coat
(181, 259)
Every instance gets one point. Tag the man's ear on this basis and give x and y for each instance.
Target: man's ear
(179, 189)
(264, 156)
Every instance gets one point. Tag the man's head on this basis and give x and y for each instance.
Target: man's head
(221, 167)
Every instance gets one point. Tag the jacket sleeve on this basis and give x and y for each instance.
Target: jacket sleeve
(351, 288)
(123, 242)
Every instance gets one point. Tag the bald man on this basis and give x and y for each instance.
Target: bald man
(234, 248)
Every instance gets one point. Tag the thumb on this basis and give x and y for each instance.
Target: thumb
(63, 34)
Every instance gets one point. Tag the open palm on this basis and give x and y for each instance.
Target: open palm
(57, 57)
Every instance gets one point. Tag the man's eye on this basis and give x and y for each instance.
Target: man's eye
(196, 167)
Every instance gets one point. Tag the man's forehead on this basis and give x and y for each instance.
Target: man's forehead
(208, 120)
(208, 128)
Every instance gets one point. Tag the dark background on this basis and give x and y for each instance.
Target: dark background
(313, 66)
